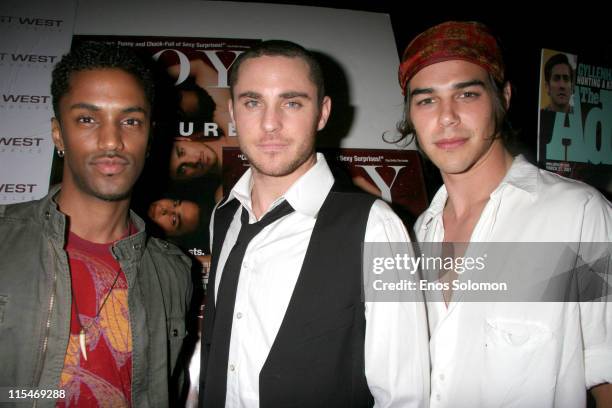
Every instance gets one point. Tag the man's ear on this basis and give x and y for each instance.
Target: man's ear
(56, 134)
(324, 113)
(230, 108)
(507, 94)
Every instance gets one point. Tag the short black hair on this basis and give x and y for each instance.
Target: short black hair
(91, 55)
(557, 59)
(281, 48)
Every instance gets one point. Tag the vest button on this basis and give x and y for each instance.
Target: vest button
(175, 332)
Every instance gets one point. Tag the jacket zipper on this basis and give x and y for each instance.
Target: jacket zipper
(43, 350)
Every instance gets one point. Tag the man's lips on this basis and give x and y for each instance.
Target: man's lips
(110, 166)
(272, 147)
(448, 144)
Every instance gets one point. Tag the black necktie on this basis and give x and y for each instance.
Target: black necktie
(216, 372)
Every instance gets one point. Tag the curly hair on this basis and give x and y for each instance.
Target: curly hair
(95, 55)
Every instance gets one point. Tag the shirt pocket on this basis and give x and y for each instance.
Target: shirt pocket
(520, 359)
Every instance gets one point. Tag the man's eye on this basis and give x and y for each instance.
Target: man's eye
(469, 94)
(85, 119)
(251, 103)
(425, 101)
(132, 122)
(294, 105)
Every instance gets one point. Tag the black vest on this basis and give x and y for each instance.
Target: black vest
(317, 359)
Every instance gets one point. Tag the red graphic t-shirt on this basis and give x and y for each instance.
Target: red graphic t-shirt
(104, 378)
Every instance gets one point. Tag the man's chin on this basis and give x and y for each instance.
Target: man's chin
(113, 197)
(111, 193)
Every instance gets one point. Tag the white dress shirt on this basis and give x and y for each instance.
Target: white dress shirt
(396, 349)
(522, 354)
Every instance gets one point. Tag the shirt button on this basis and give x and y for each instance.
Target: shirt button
(441, 377)
(239, 315)
(438, 397)
(232, 367)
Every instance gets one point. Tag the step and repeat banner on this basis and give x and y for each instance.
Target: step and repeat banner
(33, 36)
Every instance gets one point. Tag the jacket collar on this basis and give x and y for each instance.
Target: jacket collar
(54, 223)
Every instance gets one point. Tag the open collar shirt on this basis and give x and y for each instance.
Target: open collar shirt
(512, 354)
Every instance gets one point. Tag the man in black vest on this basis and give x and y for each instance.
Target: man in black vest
(285, 324)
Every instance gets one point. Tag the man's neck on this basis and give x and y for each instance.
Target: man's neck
(93, 219)
(267, 189)
(474, 187)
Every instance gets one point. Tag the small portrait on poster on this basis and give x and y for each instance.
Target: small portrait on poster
(575, 117)
(558, 80)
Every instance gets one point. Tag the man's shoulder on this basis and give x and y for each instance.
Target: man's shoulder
(565, 191)
(25, 212)
(162, 249)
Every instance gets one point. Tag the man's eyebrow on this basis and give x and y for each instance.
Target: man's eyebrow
(458, 85)
(95, 108)
(466, 84)
(421, 91)
(83, 105)
(133, 109)
(250, 94)
(294, 94)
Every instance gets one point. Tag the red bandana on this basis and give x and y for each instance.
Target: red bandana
(454, 40)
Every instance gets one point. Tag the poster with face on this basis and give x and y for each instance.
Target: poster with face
(575, 118)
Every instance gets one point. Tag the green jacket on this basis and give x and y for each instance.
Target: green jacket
(35, 303)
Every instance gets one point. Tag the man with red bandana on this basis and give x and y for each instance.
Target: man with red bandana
(495, 354)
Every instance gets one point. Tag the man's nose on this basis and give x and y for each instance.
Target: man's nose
(271, 120)
(110, 137)
(448, 114)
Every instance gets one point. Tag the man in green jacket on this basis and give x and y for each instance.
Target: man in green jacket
(92, 311)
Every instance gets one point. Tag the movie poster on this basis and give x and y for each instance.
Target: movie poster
(396, 176)
(182, 179)
(575, 120)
